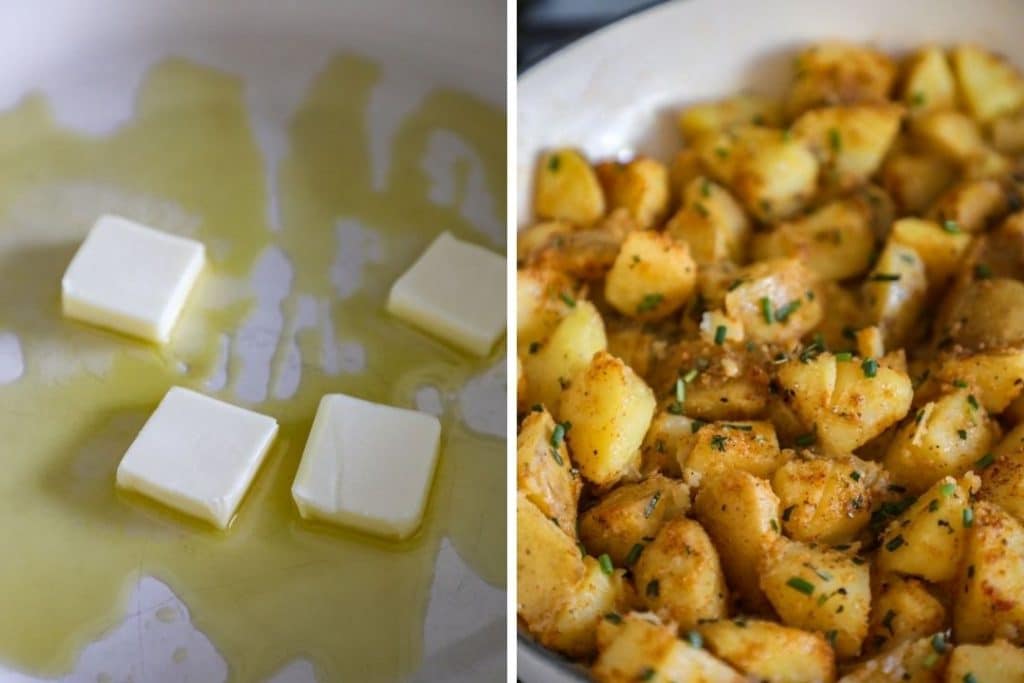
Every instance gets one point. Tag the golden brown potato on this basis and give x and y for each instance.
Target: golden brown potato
(544, 472)
(927, 539)
(943, 438)
(636, 345)
(685, 166)
(989, 587)
(836, 241)
(1002, 473)
(928, 84)
(839, 73)
(1008, 134)
(542, 294)
(990, 86)
(988, 314)
(997, 376)
(845, 315)
(846, 403)
(916, 180)
(652, 277)
(640, 186)
(610, 409)
(711, 222)
(949, 134)
(669, 439)
(637, 647)
(894, 293)
(553, 364)
(548, 566)
(849, 141)
(916, 661)
(574, 628)
(749, 446)
(807, 585)
(998, 661)
(771, 172)
(741, 515)
(776, 301)
(941, 248)
(970, 205)
(825, 499)
(624, 520)
(566, 188)
(539, 236)
(715, 117)
(679, 576)
(770, 652)
(903, 610)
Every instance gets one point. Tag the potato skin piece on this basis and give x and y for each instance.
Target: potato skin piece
(610, 409)
(771, 652)
(566, 188)
(548, 481)
(630, 514)
(741, 515)
(679, 575)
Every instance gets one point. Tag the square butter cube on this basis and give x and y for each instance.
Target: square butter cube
(367, 466)
(455, 291)
(197, 455)
(131, 279)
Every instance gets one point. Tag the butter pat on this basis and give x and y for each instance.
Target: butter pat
(367, 466)
(197, 455)
(455, 291)
(131, 279)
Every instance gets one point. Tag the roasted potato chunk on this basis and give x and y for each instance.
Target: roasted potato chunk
(544, 472)
(1008, 134)
(941, 247)
(849, 141)
(999, 661)
(950, 134)
(776, 301)
(548, 566)
(988, 314)
(652, 277)
(610, 409)
(640, 186)
(541, 304)
(1002, 473)
(916, 180)
(996, 376)
(566, 188)
(769, 652)
(903, 610)
(715, 117)
(711, 222)
(722, 446)
(990, 86)
(971, 205)
(916, 661)
(894, 293)
(626, 518)
(825, 499)
(929, 84)
(839, 73)
(669, 439)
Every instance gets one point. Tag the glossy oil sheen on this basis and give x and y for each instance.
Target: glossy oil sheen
(272, 588)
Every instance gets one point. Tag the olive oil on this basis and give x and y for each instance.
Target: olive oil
(273, 587)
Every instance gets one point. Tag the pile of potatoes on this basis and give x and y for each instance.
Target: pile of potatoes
(770, 392)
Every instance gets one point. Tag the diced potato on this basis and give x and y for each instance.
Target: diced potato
(845, 314)
(723, 446)
(584, 253)
(971, 205)
(989, 587)
(538, 236)
(929, 84)
(771, 172)
(715, 117)
(640, 186)
(640, 648)
(847, 403)
(916, 661)
(566, 188)
(567, 352)
(777, 301)
(988, 314)
(630, 515)
(944, 438)
(669, 439)
(997, 661)
(685, 166)
(548, 566)
(998, 376)
(541, 304)
(941, 249)
(680, 577)
(849, 141)
(825, 499)
(839, 73)
(950, 134)
(807, 585)
(927, 539)
(544, 471)
(741, 515)
(1008, 134)
(711, 222)
(574, 629)
(989, 84)
(636, 345)
(836, 241)
(1002, 473)
(903, 610)
(610, 409)
(652, 277)
(770, 652)
(870, 343)
(916, 180)
(894, 293)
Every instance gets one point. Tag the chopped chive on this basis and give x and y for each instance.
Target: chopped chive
(985, 460)
(774, 525)
(939, 643)
(558, 435)
(970, 678)
(972, 401)
(919, 416)
(705, 188)
(931, 660)
(884, 277)
(690, 375)
(695, 640)
(787, 512)
(676, 408)
(651, 504)
(634, 554)
(766, 310)
(536, 408)
(650, 302)
(554, 162)
(647, 674)
(569, 301)
(893, 544)
(855, 475)
(830, 636)
(695, 426)
(801, 585)
(735, 284)
(720, 333)
(557, 457)
(835, 141)
(722, 152)
(968, 518)
(701, 209)
(917, 99)
(805, 440)
(959, 384)
(933, 505)
(947, 489)
(982, 271)
(782, 314)
(718, 442)
(606, 564)
(742, 428)
(962, 433)
(613, 617)
(653, 588)
(583, 551)
(887, 621)
(870, 367)
(951, 226)
(844, 356)
(680, 390)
